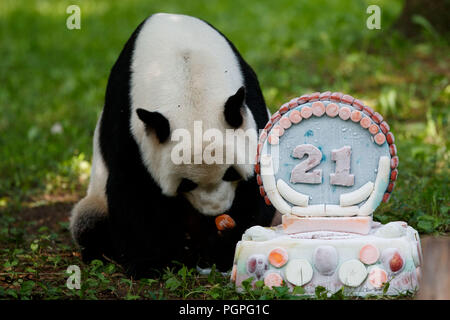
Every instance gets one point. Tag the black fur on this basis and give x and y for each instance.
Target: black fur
(233, 107)
(155, 122)
(147, 230)
(231, 175)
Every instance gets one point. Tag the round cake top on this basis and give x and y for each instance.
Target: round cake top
(326, 154)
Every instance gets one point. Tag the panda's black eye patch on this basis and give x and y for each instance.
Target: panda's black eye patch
(231, 175)
(186, 185)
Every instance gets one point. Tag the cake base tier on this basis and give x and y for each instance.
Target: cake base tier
(292, 224)
(362, 264)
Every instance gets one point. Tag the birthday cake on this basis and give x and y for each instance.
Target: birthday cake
(326, 161)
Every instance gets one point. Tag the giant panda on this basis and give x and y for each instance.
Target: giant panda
(141, 209)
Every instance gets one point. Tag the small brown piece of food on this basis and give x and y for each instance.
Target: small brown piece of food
(224, 222)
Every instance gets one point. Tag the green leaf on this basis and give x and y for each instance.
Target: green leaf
(96, 264)
(126, 281)
(426, 224)
(34, 246)
(173, 283)
(298, 290)
(12, 293)
(247, 283)
(212, 275)
(386, 288)
(149, 282)
(110, 268)
(183, 273)
(132, 297)
(26, 288)
(281, 291)
(321, 292)
(259, 284)
(338, 295)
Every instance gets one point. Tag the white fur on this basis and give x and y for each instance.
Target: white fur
(185, 70)
(99, 172)
(95, 201)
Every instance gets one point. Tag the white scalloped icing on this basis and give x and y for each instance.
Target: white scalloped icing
(332, 210)
(381, 183)
(267, 175)
(258, 233)
(278, 202)
(317, 210)
(291, 195)
(357, 196)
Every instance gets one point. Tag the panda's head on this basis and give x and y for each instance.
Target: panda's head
(185, 77)
(203, 171)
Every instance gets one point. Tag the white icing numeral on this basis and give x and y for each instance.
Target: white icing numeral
(299, 174)
(342, 176)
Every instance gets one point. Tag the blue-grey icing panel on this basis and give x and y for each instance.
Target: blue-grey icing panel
(327, 134)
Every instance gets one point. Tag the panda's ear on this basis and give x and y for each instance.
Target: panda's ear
(155, 122)
(233, 108)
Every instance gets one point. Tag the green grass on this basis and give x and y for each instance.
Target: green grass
(52, 76)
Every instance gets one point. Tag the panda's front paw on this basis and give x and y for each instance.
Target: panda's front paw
(89, 254)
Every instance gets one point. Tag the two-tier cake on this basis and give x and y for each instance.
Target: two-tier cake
(326, 161)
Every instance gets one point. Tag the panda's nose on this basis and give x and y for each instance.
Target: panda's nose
(224, 222)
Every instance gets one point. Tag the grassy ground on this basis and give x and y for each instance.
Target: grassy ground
(52, 84)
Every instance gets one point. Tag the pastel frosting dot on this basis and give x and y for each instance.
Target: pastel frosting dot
(352, 273)
(369, 254)
(278, 130)
(325, 259)
(278, 257)
(332, 110)
(284, 108)
(285, 122)
(273, 139)
(379, 138)
(377, 277)
(295, 116)
(392, 259)
(356, 115)
(394, 162)
(344, 113)
(373, 129)
(299, 272)
(390, 137)
(273, 279)
(257, 265)
(393, 150)
(365, 122)
(306, 112)
(318, 108)
(396, 263)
